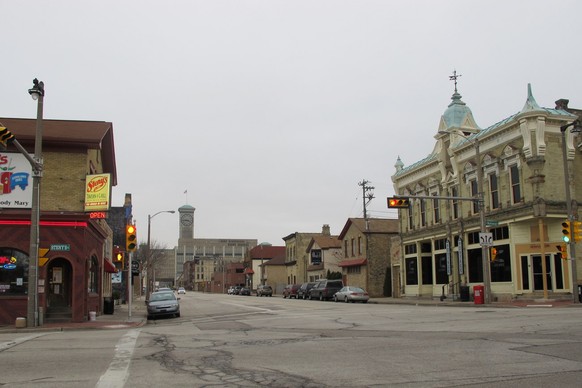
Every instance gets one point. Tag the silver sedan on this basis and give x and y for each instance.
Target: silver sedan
(351, 294)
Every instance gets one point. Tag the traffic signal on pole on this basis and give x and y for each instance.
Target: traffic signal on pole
(398, 203)
(130, 238)
(576, 228)
(119, 259)
(566, 231)
(563, 250)
(493, 253)
(6, 137)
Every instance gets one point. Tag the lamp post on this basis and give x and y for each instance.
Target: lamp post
(148, 257)
(482, 223)
(37, 93)
(577, 127)
(483, 226)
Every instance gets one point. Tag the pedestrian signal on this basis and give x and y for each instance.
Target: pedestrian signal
(119, 259)
(566, 231)
(493, 254)
(398, 203)
(6, 137)
(130, 238)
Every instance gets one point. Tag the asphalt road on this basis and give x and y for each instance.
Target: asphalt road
(238, 341)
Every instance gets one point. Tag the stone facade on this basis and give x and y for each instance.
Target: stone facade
(366, 248)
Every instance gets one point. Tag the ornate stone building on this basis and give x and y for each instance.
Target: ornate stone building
(522, 178)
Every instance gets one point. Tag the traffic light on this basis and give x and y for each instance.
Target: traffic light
(120, 260)
(566, 231)
(398, 203)
(576, 228)
(6, 137)
(130, 238)
(493, 253)
(563, 250)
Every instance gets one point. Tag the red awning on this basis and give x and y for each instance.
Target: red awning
(353, 262)
(249, 271)
(109, 266)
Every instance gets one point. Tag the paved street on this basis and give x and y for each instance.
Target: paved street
(237, 341)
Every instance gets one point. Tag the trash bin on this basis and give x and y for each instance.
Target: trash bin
(108, 305)
(465, 294)
(479, 292)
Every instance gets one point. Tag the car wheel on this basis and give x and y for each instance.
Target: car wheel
(177, 315)
(346, 299)
(364, 301)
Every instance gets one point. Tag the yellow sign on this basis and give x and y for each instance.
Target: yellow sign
(42, 259)
(97, 192)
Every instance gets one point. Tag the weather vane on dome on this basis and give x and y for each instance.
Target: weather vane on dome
(454, 78)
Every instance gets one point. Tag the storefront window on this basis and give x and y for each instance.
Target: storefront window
(13, 272)
(501, 267)
(411, 272)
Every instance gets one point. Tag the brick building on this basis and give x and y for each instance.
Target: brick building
(75, 278)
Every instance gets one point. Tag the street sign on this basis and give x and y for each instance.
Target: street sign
(460, 253)
(448, 247)
(491, 223)
(135, 267)
(60, 247)
(486, 239)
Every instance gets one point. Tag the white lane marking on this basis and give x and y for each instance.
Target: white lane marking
(10, 344)
(117, 373)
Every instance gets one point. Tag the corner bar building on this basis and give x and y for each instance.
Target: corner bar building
(76, 276)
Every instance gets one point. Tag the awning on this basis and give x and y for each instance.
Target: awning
(249, 271)
(109, 266)
(353, 262)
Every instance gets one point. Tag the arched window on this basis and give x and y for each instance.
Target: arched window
(13, 272)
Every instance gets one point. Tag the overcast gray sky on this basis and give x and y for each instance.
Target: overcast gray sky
(269, 113)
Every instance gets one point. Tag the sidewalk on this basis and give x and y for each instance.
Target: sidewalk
(118, 320)
(516, 303)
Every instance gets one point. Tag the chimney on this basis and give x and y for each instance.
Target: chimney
(562, 104)
(325, 230)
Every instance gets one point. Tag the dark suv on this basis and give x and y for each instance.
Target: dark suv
(303, 291)
(324, 289)
(264, 290)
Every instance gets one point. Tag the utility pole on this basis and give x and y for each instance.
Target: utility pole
(367, 196)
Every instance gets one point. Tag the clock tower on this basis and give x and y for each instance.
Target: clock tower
(186, 222)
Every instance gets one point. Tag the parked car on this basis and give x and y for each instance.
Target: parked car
(230, 290)
(245, 291)
(303, 291)
(181, 290)
(264, 290)
(290, 291)
(351, 294)
(236, 290)
(325, 289)
(163, 303)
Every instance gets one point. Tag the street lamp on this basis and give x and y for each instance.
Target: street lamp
(577, 127)
(148, 257)
(481, 206)
(37, 94)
